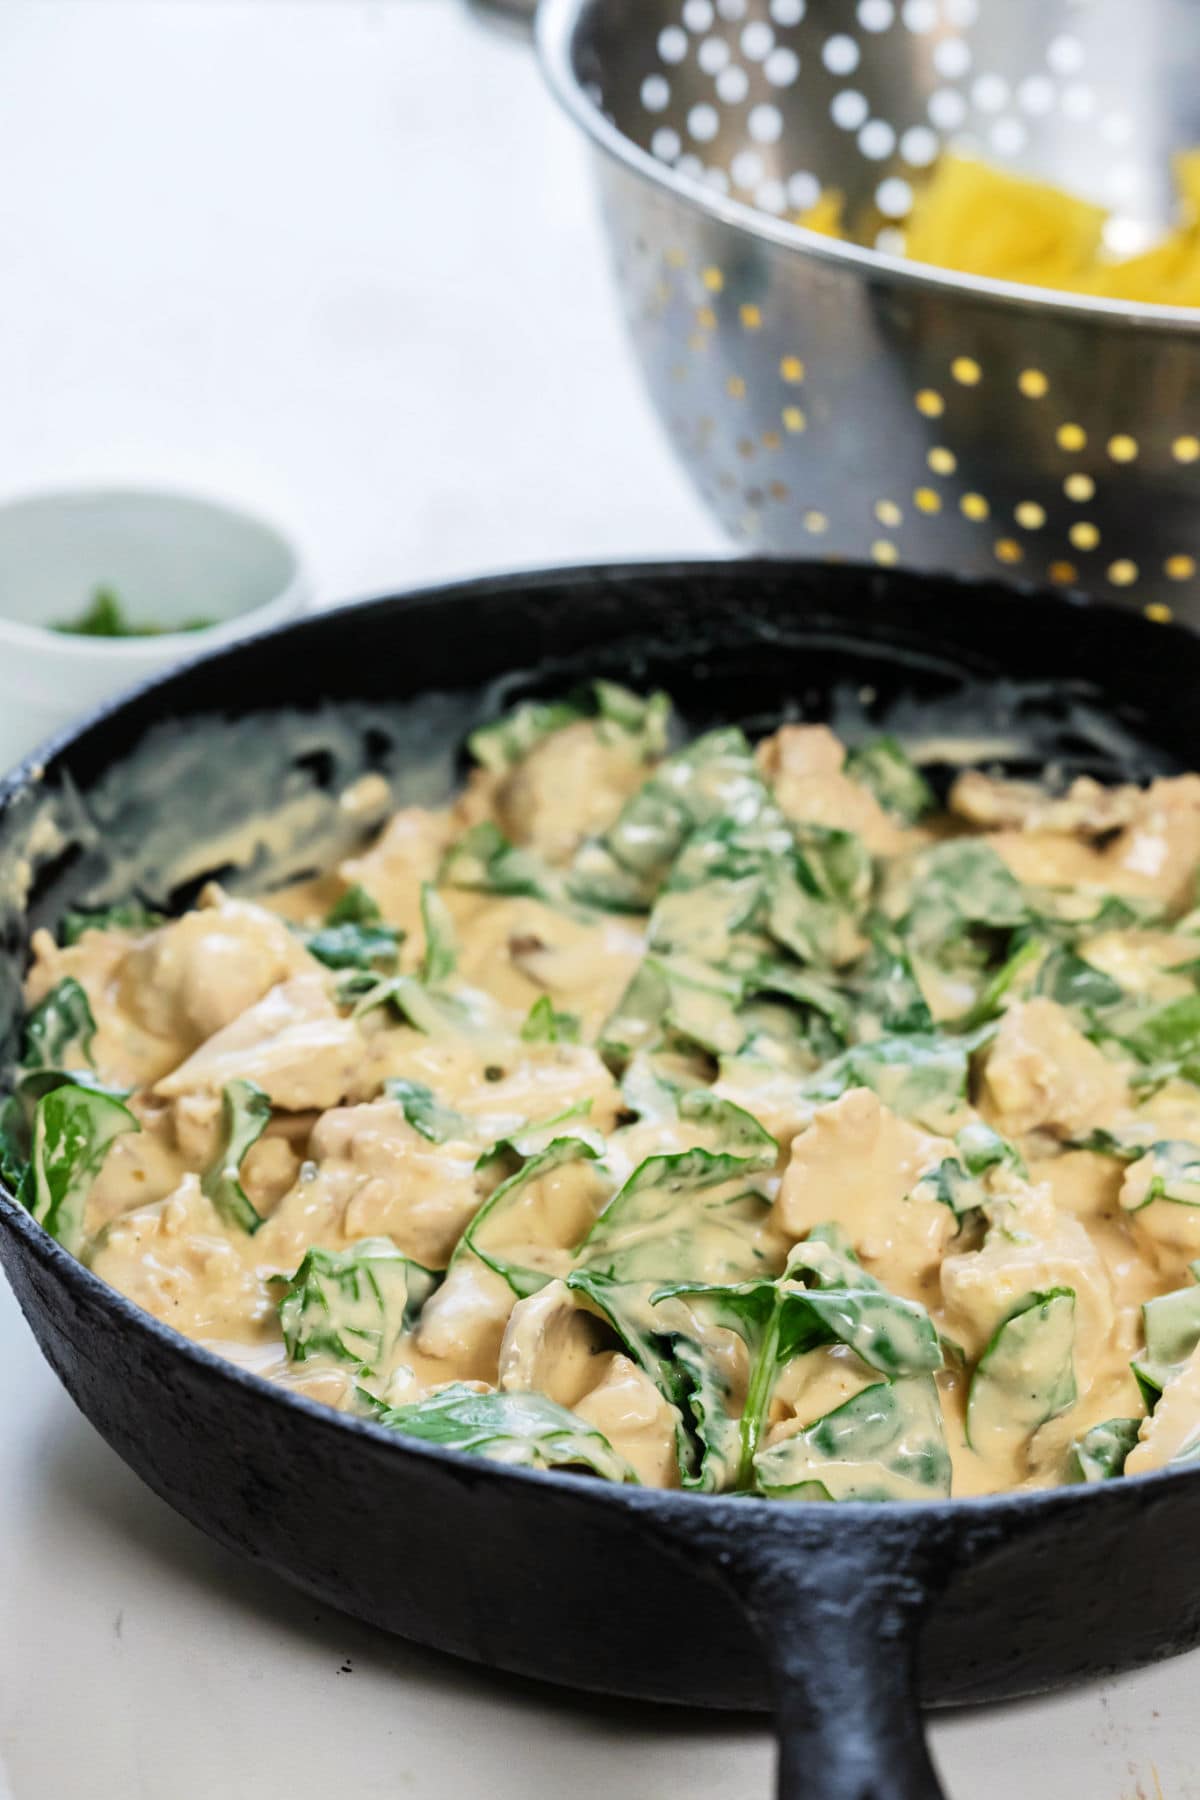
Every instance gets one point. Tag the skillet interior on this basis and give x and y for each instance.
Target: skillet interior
(643, 1594)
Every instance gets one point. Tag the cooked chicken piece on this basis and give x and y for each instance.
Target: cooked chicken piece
(331, 1387)
(197, 1123)
(306, 902)
(948, 993)
(546, 1217)
(1081, 1182)
(638, 1423)
(140, 1168)
(1030, 1248)
(191, 978)
(1173, 1429)
(371, 1175)
(155, 996)
(175, 1261)
(570, 787)
(176, 1138)
(1041, 1074)
(553, 1346)
(293, 1043)
(404, 857)
(1087, 1187)
(495, 1086)
(1155, 855)
(803, 764)
(1115, 1394)
(269, 1169)
(93, 962)
(1172, 1111)
(520, 949)
(463, 1323)
(857, 1163)
(476, 802)
(1087, 809)
(125, 1052)
(816, 1383)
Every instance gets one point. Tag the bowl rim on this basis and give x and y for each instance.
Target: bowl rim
(556, 26)
(668, 1504)
(294, 596)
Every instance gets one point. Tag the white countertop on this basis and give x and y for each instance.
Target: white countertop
(338, 260)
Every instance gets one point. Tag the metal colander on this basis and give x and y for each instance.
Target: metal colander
(843, 401)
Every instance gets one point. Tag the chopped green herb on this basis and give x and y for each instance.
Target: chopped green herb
(105, 616)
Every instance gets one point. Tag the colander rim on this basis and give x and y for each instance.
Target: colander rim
(555, 29)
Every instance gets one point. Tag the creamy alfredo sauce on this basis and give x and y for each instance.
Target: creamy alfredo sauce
(720, 1117)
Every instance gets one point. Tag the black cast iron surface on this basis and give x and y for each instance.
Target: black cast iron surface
(836, 1615)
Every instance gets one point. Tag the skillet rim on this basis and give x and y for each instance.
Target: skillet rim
(665, 1503)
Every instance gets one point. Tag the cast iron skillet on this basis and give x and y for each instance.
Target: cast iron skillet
(841, 1617)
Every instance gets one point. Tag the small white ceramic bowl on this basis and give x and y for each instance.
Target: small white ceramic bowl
(169, 558)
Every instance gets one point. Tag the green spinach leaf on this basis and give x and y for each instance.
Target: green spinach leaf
(352, 1305)
(245, 1113)
(715, 777)
(620, 715)
(1174, 1175)
(425, 1112)
(73, 1128)
(1099, 1455)
(353, 935)
(1066, 978)
(959, 887)
(441, 943)
(130, 915)
(1171, 1330)
(525, 1430)
(1026, 1375)
(501, 746)
(886, 768)
(545, 1025)
(888, 993)
(778, 1321)
(483, 861)
(958, 1181)
(60, 1031)
(887, 1443)
(921, 1076)
(1168, 1041)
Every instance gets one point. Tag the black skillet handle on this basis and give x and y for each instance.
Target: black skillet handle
(838, 1608)
(844, 1669)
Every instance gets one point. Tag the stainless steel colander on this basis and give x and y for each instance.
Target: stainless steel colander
(839, 400)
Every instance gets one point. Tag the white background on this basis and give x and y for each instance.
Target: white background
(338, 260)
